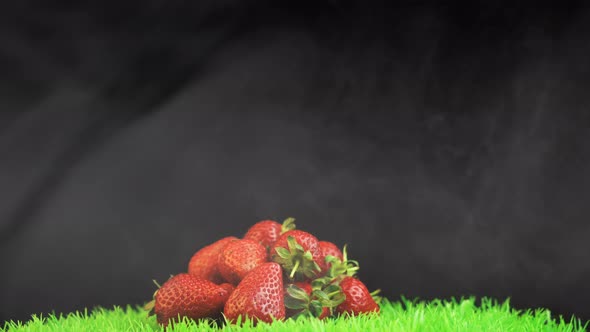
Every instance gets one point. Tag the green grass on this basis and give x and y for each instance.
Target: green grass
(404, 315)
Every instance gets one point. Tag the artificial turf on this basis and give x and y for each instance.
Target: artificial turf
(403, 315)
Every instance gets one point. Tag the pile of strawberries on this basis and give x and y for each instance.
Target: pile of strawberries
(274, 272)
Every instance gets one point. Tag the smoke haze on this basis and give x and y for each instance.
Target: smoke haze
(446, 145)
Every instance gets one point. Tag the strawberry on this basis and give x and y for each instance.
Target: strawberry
(358, 299)
(304, 285)
(259, 296)
(299, 253)
(329, 249)
(203, 263)
(228, 287)
(185, 295)
(238, 258)
(268, 231)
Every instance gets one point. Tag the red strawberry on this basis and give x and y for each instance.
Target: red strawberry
(203, 264)
(299, 253)
(268, 231)
(259, 296)
(188, 296)
(300, 301)
(329, 249)
(228, 287)
(238, 258)
(358, 299)
(306, 286)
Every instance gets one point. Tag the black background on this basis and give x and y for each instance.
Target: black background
(447, 143)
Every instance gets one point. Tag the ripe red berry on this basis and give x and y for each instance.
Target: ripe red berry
(329, 249)
(358, 298)
(187, 296)
(259, 295)
(240, 257)
(268, 231)
(203, 263)
(228, 287)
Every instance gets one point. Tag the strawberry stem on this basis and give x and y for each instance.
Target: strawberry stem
(157, 284)
(150, 305)
(295, 267)
(375, 292)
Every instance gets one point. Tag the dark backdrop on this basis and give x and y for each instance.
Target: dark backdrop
(447, 143)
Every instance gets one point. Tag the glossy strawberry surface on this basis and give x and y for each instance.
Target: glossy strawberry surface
(329, 248)
(240, 257)
(259, 296)
(358, 298)
(189, 296)
(203, 263)
(266, 232)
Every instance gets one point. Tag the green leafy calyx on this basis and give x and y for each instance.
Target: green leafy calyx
(288, 225)
(312, 305)
(295, 259)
